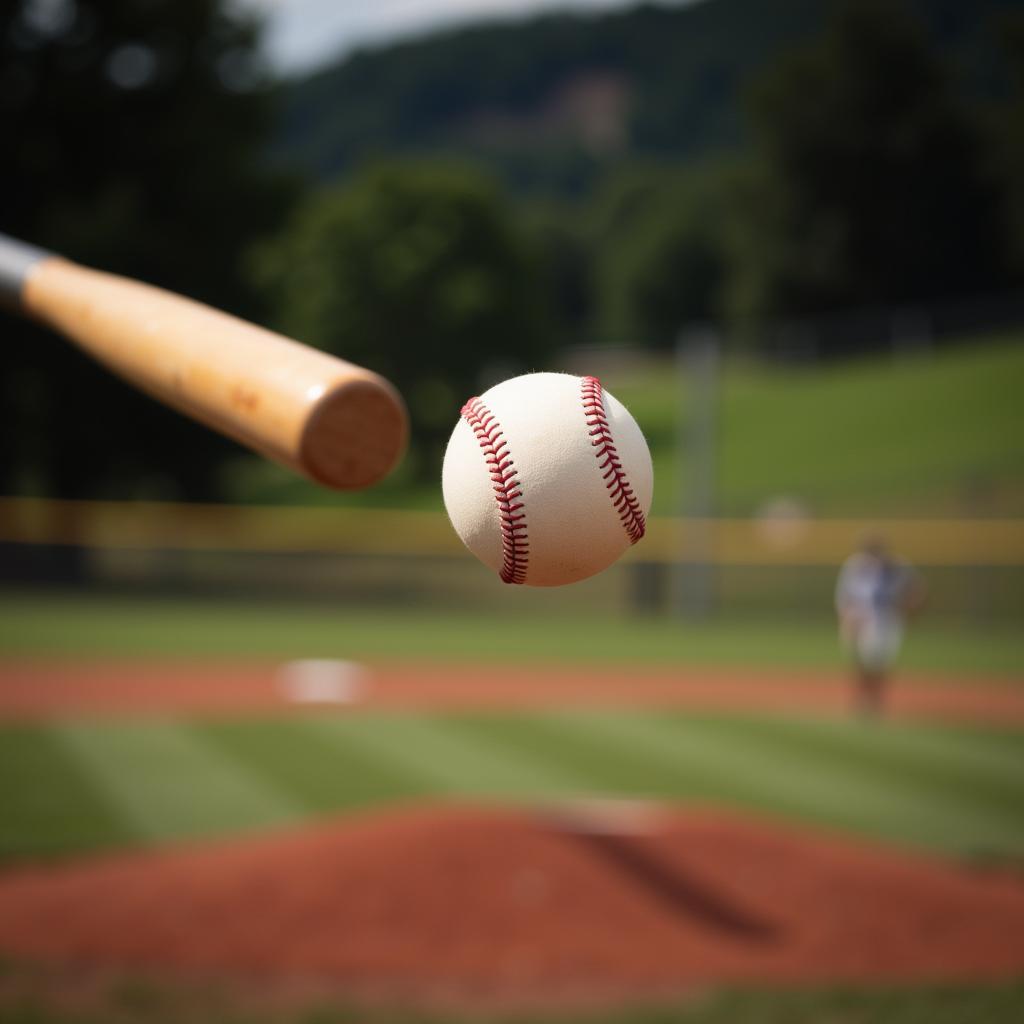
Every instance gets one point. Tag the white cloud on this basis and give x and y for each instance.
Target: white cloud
(303, 33)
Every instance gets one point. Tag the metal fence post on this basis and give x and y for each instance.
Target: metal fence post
(698, 356)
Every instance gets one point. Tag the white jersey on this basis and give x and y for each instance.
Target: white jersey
(874, 587)
(873, 593)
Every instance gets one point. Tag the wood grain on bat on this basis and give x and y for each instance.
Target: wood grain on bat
(337, 423)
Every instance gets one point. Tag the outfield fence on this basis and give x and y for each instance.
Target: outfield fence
(402, 555)
(769, 541)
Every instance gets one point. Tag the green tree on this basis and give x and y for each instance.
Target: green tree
(133, 133)
(1008, 138)
(419, 272)
(658, 257)
(558, 236)
(870, 190)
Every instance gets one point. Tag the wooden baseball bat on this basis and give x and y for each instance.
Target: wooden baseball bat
(336, 423)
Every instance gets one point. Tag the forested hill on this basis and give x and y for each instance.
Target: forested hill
(546, 101)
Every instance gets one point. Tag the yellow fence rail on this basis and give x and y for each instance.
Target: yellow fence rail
(755, 542)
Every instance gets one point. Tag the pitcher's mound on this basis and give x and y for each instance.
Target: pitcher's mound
(509, 905)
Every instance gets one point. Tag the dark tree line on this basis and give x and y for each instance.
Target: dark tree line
(685, 67)
(874, 189)
(133, 135)
(870, 182)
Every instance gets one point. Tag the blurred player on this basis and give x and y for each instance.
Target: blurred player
(875, 595)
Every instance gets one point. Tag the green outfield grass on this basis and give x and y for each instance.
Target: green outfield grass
(99, 627)
(79, 785)
(25, 1001)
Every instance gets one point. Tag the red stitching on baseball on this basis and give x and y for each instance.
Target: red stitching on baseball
(614, 475)
(507, 489)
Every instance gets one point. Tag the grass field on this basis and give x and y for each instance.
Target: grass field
(128, 1000)
(102, 626)
(77, 785)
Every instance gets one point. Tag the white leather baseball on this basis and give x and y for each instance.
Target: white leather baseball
(547, 479)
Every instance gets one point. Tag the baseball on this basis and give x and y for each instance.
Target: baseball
(547, 479)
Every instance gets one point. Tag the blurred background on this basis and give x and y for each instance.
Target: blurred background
(788, 236)
(791, 240)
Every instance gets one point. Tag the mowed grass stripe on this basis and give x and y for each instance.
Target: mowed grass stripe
(888, 794)
(166, 783)
(962, 769)
(999, 741)
(47, 806)
(866, 792)
(752, 769)
(993, 751)
(611, 769)
(445, 757)
(316, 769)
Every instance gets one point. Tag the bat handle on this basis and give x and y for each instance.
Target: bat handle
(338, 424)
(16, 261)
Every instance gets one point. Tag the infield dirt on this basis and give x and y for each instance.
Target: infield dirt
(456, 904)
(42, 689)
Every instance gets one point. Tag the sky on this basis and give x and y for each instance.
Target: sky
(304, 33)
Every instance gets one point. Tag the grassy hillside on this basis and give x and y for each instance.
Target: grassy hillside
(916, 436)
(925, 436)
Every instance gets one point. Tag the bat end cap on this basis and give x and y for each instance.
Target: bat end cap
(356, 434)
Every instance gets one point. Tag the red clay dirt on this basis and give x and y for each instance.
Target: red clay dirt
(506, 907)
(32, 690)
